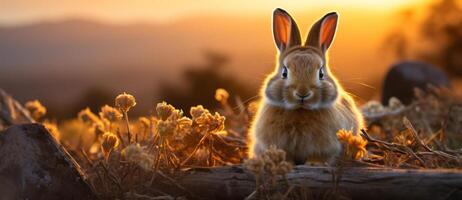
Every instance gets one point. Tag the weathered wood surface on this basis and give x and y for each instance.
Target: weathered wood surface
(34, 166)
(355, 183)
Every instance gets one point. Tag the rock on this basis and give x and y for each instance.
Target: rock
(12, 112)
(403, 77)
(34, 166)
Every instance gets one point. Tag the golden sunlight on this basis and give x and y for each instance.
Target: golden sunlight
(230, 99)
(164, 11)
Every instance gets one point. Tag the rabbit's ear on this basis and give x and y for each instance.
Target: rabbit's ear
(323, 31)
(285, 30)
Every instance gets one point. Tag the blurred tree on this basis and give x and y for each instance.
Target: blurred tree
(200, 83)
(438, 39)
(94, 97)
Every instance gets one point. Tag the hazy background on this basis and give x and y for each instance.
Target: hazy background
(70, 53)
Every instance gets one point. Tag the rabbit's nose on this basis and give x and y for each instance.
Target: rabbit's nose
(303, 96)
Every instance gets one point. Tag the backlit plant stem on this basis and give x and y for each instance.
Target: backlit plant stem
(128, 127)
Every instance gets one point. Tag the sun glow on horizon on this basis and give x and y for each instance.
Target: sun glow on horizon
(23, 11)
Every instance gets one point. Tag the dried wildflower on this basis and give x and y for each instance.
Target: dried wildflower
(394, 104)
(197, 111)
(272, 162)
(405, 138)
(36, 109)
(98, 128)
(221, 95)
(166, 128)
(357, 147)
(125, 101)
(145, 161)
(344, 135)
(176, 115)
(275, 155)
(145, 122)
(283, 168)
(202, 154)
(218, 122)
(86, 116)
(269, 165)
(213, 123)
(164, 110)
(94, 148)
(110, 113)
(109, 143)
(255, 165)
(132, 152)
(52, 129)
(373, 108)
(253, 107)
(72, 132)
(184, 126)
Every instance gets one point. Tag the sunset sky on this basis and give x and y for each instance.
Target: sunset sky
(119, 11)
(160, 38)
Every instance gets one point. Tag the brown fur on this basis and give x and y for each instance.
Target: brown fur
(305, 128)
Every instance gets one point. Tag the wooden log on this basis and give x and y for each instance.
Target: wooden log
(355, 182)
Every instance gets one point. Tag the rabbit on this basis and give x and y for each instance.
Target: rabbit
(303, 105)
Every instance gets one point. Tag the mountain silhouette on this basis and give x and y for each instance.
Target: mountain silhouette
(57, 61)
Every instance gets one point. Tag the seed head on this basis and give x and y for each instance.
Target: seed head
(184, 126)
(253, 107)
(255, 165)
(145, 122)
(110, 113)
(164, 110)
(283, 168)
(218, 122)
(110, 142)
(125, 101)
(166, 128)
(271, 162)
(214, 123)
(145, 161)
(221, 95)
(132, 152)
(197, 111)
(98, 128)
(176, 115)
(36, 109)
(275, 155)
(86, 116)
(395, 104)
(373, 108)
(53, 129)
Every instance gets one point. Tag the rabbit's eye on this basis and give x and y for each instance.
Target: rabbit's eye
(284, 72)
(321, 73)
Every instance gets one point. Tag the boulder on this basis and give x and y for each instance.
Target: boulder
(34, 166)
(403, 77)
(12, 112)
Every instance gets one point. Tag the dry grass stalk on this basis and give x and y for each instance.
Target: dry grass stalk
(154, 149)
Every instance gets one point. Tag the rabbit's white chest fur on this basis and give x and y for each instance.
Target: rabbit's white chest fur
(305, 135)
